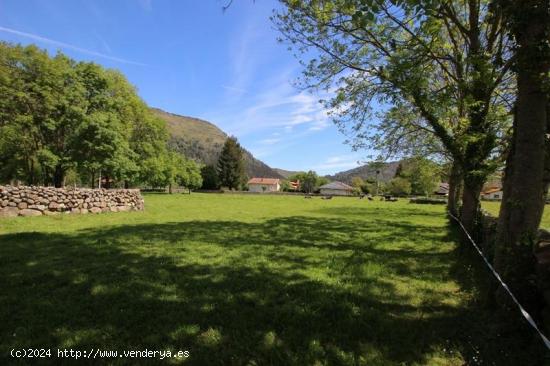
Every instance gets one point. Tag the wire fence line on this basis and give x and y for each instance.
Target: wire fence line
(524, 312)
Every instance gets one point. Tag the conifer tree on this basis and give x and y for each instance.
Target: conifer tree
(231, 164)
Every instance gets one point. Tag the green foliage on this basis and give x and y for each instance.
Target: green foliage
(359, 185)
(231, 165)
(423, 175)
(399, 187)
(309, 181)
(191, 175)
(441, 71)
(58, 115)
(210, 178)
(285, 186)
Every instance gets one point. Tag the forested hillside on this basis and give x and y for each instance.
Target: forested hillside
(368, 172)
(202, 141)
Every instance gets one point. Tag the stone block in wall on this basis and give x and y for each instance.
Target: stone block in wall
(30, 212)
(9, 212)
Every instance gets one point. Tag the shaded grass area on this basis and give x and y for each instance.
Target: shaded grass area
(252, 280)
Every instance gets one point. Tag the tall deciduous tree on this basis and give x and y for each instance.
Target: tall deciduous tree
(231, 164)
(525, 183)
(58, 115)
(445, 60)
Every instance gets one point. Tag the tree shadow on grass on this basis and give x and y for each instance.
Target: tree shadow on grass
(259, 302)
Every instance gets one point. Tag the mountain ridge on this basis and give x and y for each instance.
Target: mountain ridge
(368, 172)
(202, 141)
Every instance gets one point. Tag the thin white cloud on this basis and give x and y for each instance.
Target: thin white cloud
(269, 141)
(68, 46)
(338, 163)
(103, 42)
(235, 89)
(279, 106)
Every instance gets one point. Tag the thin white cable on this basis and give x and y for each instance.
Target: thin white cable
(524, 312)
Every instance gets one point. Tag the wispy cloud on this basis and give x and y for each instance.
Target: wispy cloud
(102, 41)
(269, 141)
(235, 89)
(276, 104)
(64, 45)
(338, 163)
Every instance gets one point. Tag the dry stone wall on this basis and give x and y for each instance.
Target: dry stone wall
(36, 201)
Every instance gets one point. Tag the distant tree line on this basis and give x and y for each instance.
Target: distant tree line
(67, 122)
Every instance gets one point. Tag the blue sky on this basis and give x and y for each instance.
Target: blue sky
(190, 58)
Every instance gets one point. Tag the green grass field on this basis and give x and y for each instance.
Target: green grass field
(493, 208)
(252, 280)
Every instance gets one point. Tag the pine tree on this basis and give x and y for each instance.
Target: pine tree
(210, 177)
(231, 164)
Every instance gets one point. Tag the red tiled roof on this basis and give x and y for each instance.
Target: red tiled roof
(268, 181)
(492, 190)
(337, 185)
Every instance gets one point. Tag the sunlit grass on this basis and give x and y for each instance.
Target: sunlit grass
(241, 279)
(493, 208)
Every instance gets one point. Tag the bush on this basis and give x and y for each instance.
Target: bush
(399, 187)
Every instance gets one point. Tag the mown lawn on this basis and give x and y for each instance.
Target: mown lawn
(493, 208)
(251, 280)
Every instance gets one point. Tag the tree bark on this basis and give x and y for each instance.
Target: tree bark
(523, 196)
(58, 177)
(107, 184)
(471, 205)
(455, 185)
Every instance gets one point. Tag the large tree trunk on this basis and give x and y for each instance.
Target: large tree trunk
(470, 205)
(58, 176)
(107, 184)
(523, 196)
(455, 186)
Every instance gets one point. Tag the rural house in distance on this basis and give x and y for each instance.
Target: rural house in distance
(336, 189)
(264, 185)
(494, 193)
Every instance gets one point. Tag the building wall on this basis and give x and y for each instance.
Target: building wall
(263, 187)
(36, 201)
(493, 196)
(335, 192)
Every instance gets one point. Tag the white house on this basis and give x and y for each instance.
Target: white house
(264, 185)
(442, 190)
(336, 189)
(494, 193)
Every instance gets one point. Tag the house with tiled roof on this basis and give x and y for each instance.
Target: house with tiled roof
(260, 185)
(336, 189)
(492, 193)
(442, 189)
